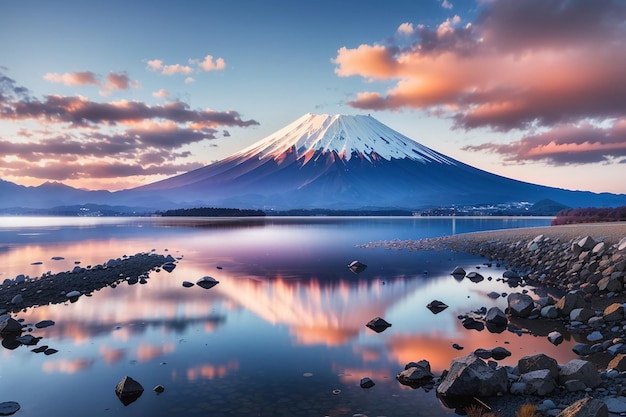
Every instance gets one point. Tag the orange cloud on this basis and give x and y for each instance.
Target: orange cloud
(76, 78)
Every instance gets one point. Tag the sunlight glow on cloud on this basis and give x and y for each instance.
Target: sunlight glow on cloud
(74, 138)
(205, 65)
(517, 66)
(112, 82)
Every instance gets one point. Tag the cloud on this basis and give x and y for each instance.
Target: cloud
(112, 82)
(204, 65)
(565, 145)
(161, 93)
(209, 65)
(76, 78)
(73, 138)
(518, 64)
(446, 4)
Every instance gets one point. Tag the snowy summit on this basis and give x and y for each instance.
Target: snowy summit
(348, 136)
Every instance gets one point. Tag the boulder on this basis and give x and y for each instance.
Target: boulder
(44, 323)
(28, 340)
(471, 376)
(17, 299)
(188, 284)
(378, 324)
(520, 305)
(570, 301)
(128, 390)
(581, 370)
(415, 374)
(73, 295)
(616, 405)
(581, 314)
(550, 312)
(496, 316)
(610, 283)
(168, 266)
(10, 326)
(586, 407)
(613, 312)
(538, 362)
(436, 306)
(207, 282)
(538, 382)
(471, 323)
(499, 353)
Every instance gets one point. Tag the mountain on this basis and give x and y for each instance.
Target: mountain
(334, 162)
(349, 162)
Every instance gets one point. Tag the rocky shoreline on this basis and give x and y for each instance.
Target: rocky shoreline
(578, 273)
(24, 292)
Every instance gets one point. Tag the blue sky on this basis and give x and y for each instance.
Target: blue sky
(110, 95)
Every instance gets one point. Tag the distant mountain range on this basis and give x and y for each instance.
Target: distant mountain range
(320, 162)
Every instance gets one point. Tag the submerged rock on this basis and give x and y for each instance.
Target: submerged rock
(9, 407)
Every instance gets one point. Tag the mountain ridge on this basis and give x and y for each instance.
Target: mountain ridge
(322, 162)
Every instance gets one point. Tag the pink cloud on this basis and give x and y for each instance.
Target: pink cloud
(517, 64)
(76, 78)
(161, 93)
(209, 65)
(565, 144)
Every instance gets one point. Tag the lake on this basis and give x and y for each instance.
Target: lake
(282, 334)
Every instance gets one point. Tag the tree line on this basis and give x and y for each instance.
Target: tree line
(210, 212)
(590, 215)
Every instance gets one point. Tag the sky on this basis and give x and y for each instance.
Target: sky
(113, 95)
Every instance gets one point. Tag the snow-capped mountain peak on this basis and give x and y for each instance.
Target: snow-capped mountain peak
(347, 136)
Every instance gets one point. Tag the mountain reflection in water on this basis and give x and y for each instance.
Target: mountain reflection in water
(285, 323)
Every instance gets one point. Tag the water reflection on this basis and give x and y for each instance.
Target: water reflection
(286, 306)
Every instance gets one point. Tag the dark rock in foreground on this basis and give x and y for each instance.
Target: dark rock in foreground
(9, 407)
(128, 390)
(378, 324)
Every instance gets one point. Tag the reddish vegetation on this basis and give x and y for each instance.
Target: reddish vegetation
(590, 215)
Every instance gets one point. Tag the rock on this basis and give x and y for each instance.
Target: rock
(158, 389)
(616, 405)
(378, 324)
(458, 271)
(9, 407)
(581, 349)
(550, 312)
(472, 324)
(471, 376)
(207, 282)
(168, 266)
(499, 353)
(586, 243)
(357, 267)
(188, 284)
(581, 314)
(621, 245)
(28, 340)
(538, 382)
(128, 390)
(586, 407)
(569, 302)
(538, 362)
(613, 312)
(457, 346)
(18, 299)
(555, 338)
(10, 326)
(366, 383)
(595, 336)
(520, 305)
(73, 294)
(496, 316)
(415, 374)
(582, 370)
(618, 362)
(44, 323)
(574, 385)
(436, 306)
(508, 274)
(475, 277)
(493, 295)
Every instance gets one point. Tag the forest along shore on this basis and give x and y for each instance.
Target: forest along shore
(578, 274)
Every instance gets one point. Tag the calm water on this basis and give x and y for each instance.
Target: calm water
(283, 330)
